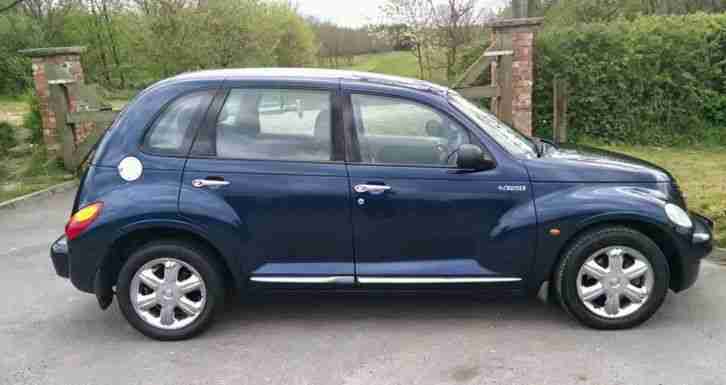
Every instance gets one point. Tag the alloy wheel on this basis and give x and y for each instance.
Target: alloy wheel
(615, 281)
(168, 293)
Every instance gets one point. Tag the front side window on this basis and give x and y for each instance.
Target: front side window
(275, 124)
(173, 131)
(399, 131)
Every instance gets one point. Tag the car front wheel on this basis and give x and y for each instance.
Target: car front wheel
(612, 278)
(169, 290)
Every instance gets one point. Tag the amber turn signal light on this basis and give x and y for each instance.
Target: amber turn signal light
(82, 219)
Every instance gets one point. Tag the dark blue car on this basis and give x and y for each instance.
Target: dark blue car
(290, 179)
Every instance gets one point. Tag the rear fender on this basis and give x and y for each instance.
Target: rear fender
(220, 238)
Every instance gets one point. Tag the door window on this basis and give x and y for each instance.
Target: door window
(275, 124)
(399, 131)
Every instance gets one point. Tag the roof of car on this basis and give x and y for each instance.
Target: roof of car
(310, 74)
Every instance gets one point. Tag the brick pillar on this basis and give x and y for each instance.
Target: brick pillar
(518, 36)
(58, 65)
(522, 80)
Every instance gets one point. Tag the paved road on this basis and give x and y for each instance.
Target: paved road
(52, 334)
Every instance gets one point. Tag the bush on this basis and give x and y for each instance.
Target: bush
(652, 80)
(32, 119)
(7, 138)
(714, 109)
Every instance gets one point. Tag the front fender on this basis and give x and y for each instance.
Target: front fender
(572, 208)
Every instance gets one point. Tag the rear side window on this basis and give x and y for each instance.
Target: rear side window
(275, 124)
(174, 129)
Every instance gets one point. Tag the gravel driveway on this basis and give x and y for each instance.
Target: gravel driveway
(50, 333)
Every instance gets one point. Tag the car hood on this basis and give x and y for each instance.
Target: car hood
(570, 163)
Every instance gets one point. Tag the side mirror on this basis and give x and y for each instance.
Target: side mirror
(471, 157)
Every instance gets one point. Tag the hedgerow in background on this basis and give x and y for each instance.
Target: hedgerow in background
(651, 80)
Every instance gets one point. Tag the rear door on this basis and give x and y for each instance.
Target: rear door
(270, 164)
(420, 221)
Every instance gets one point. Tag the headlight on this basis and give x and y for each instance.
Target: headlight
(678, 216)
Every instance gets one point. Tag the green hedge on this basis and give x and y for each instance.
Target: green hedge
(651, 80)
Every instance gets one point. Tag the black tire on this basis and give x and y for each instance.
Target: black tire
(565, 277)
(198, 257)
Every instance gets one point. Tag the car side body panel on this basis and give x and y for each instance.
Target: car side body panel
(436, 221)
(285, 218)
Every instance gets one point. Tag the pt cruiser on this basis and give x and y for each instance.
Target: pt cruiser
(290, 179)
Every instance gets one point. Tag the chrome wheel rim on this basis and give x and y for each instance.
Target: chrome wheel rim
(615, 282)
(168, 293)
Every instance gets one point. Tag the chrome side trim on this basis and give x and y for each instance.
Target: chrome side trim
(342, 279)
(434, 280)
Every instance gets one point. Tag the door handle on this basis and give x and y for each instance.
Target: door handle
(199, 183)
(371, 188)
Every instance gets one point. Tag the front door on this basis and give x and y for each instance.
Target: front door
(270, 167)
(417, 219)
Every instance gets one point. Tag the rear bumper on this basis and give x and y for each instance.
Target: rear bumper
(78, 268)
(59, 256)
(693, 248)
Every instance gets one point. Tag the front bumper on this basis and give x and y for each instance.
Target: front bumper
(702, 229)
(693, 248)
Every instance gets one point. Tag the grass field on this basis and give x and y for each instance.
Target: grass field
(700, 173)
(399, 63)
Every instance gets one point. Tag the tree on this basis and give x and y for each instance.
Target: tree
(4, 8)
(456, 27)
(419, 16)
(436, 29)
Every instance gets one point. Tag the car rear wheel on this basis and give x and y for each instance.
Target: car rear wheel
(612, 278)
(170, 290)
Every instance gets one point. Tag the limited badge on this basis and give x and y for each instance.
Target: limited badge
(130, 169)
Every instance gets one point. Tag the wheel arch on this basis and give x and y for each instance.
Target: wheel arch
(658, 232)
(134, 236)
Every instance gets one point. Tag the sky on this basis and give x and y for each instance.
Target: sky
(354, 13)
(349, 13)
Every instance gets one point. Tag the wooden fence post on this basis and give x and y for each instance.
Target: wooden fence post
(559, 113)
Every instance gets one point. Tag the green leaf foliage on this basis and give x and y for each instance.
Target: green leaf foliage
(649, 80)
(32, 119)
(132, 45)
(7, 138)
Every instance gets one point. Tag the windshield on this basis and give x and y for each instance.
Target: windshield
(512, 140)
